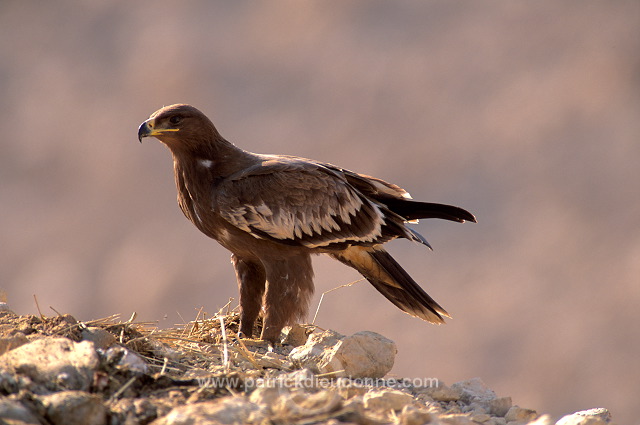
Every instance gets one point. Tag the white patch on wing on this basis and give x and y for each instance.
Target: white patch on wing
(206, 163)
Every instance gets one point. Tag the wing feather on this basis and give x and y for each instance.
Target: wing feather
(300, 203)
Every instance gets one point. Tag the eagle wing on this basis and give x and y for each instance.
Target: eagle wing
(299, 202)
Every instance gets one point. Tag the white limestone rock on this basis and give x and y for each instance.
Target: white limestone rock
(596, 416)
(361, 355)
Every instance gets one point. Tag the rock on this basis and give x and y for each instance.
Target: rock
(519, 414)
(271, 360)
(361, 355)
(303, 378)
(294, 395)
(412, 415)
(348, 388)
(75, 408)
(11, 342)
(441, 392)
(475, 393)
(366, 354)
(56, 363)
(355, 404)
(500, 406)
(265, 396)
(597, 416)
(474, 389)
(102, 339)
(386, 399)
(161, 349)
(14, 413)
(295, 335)
(480, 417)
(4, 307)
(129, 411)
(311, 354)
(126, 359)
(300, 403)
(228, 410)
(355, 413)
(455, 419)
(542, 420)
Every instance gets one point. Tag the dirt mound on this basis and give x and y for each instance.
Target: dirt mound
(56, 370)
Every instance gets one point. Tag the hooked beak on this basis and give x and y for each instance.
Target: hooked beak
(149, 129)
(144, 130)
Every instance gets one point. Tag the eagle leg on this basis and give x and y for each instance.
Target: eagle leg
(251, 283)
(289, 291)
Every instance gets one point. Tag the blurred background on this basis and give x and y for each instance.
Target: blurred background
(525, 113)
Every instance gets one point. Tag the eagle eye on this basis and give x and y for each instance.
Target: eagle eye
(175, 119)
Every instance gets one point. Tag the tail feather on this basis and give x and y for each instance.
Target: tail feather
(392, 281)
(413, 210)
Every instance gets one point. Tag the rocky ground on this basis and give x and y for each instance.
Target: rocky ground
(56, 370)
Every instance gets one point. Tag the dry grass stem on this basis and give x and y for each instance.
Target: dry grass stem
(313, 322)
(330, 374)
(225, 353)
(35, 298)
(123, 388)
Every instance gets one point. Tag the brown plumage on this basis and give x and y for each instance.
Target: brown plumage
(273, 211)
